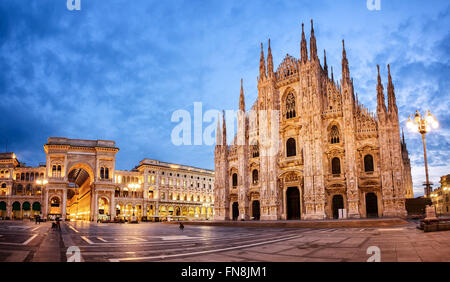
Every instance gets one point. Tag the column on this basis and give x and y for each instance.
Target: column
(92, 207)
(45, 205)
(285, 204)
(64, 204)
(95, 209)
(8, 208)
(112, 206)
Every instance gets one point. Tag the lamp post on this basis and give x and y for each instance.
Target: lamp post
(42, 182)
(423, 125)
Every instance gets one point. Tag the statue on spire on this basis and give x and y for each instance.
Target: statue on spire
(313, 44)
(224, 129)
(381, 103)
(345, 68)
(391, 94)
(242, 98)
(269, 62)
(262, 65)
(304, 50)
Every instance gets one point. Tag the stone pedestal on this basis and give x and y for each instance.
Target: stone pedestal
(430, 212)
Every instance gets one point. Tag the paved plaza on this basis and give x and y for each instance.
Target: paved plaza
(26, 241)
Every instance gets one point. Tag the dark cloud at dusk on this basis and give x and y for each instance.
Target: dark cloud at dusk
(117, 69)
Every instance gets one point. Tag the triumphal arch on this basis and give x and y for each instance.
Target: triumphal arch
(79, 173)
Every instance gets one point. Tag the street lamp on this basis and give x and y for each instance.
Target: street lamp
(423, 125)
(42, 182)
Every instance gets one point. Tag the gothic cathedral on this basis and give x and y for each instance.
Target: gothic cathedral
(335, 158)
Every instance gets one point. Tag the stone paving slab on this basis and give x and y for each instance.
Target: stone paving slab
(404, 244)
(349, 223)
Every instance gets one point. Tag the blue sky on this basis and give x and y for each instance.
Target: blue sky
(118, 69)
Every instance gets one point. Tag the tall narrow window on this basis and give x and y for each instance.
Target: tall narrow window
(290, 106)
(255, 176)
(102, 173)
(368, 163)
(291, 149)
(336, 166)
(59, 171)
(106, 173)
(334, 135)
(235, 179)
(54, 171)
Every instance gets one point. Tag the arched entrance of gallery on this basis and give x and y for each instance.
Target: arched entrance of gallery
(293, 203)
(104, 210)
(54, 208)
(79, 197)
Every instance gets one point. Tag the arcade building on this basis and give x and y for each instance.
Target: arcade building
(79, 181)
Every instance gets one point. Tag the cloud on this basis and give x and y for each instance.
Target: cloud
(118, 70)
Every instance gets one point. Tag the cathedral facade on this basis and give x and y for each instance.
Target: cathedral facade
(335, 158)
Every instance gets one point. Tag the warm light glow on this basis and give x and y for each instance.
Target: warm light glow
(41, 182)
(435, 124)
(410, 124)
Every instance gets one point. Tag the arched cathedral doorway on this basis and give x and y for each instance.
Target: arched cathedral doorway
(235, 211)
(256, 213)
(338, 203)
(293, 203)
(371, 205)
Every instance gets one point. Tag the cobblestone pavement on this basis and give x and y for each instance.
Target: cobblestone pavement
(25, 241)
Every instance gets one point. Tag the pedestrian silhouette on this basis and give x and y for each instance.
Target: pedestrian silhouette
(181, 226)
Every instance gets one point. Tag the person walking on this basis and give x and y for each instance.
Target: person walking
(181, 226)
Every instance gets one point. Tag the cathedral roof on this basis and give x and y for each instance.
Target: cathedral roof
(287, 68)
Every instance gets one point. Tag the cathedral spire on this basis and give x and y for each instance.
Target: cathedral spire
(224, 130)
(269, 62)
(304, 49)
(345, 69)
(381, 103)
(262, 65)
(218, 132)
(391, 94)
(325, 66)
(332, 75)
(313, 44)
(242, 98)
(403, 137)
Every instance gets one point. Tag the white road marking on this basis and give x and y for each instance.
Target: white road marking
(391, 229)
(175, 237)
(101, 239)
(87, 240)
(29, 240)
(206, 252)
(140, 239)
(35, 228)
(71, 227)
